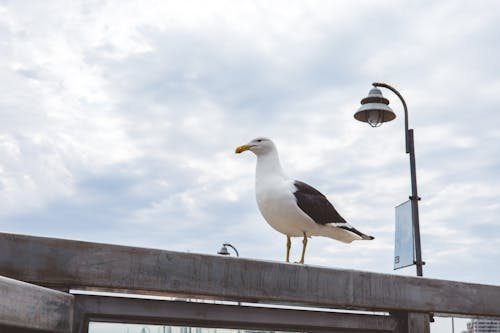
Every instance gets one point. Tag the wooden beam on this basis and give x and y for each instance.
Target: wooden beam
(412, 322)
(24, 306)
(192, 314)
(418, 323)
(75, 264)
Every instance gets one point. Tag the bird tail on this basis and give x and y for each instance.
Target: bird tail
(366, 237)
(344, 232)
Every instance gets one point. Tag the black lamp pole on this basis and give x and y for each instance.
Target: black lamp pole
(410, 149)
(376, 103)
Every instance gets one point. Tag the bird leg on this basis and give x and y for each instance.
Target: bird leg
(288, 246)
(304, 245)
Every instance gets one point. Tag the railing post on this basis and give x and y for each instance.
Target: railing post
(80, 318)
(412, 322)
(418, 322)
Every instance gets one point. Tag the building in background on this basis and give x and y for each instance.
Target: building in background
(483, 326)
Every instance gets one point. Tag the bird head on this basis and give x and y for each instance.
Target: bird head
(258, 146)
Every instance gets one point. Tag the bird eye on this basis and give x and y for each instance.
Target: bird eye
(260, 140)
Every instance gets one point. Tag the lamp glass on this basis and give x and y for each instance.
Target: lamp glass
(374, 117)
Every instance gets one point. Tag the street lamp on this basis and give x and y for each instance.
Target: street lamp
(375, 111)
(223, 250)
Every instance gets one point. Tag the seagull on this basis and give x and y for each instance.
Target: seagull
(292, 207)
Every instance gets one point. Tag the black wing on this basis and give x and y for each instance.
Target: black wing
(316, 205)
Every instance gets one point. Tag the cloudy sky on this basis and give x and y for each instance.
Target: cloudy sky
(119, 121)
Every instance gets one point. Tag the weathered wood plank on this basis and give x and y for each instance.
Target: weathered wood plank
(412, 322)
(77, 264)
(181, 313)
(418, 323)
(27, 306)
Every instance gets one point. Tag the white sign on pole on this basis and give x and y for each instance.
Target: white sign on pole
(404, 250)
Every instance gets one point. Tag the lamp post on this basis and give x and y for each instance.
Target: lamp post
(223, 250)
(375, 110)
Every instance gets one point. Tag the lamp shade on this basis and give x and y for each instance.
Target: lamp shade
(223, 251)
(375, 109)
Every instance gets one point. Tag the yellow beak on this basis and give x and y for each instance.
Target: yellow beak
(241, 149)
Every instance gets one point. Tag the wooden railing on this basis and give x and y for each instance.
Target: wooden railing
(71, 265)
